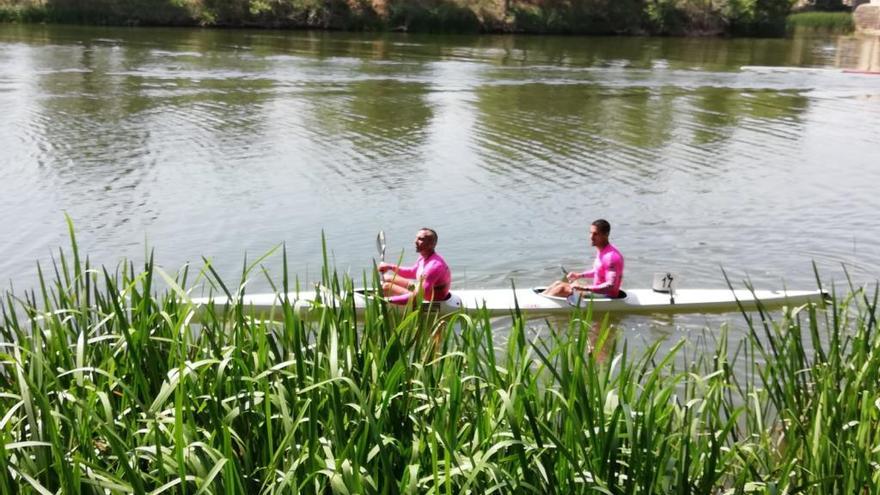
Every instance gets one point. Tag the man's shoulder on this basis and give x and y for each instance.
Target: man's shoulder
(435, 259)
(612, 253)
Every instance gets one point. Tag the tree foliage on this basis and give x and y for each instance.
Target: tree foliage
(663, 17)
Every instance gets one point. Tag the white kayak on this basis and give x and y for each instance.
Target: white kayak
(533, 302)
(810, 70)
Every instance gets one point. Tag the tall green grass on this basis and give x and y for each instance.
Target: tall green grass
(825, 22)
(106, 385)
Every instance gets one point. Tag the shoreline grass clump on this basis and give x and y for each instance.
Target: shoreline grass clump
(108, 385)
(820, 22)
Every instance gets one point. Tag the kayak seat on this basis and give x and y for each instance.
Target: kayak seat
(448, 297)
(621, 294)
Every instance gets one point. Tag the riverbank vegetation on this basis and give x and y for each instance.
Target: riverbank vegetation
(658, 17)
(821, 22)
(107, 383)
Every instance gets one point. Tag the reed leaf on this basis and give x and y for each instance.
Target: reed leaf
(113, 383)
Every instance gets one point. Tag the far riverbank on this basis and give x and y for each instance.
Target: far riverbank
(599, 17)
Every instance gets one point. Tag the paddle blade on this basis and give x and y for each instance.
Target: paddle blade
(380, 245)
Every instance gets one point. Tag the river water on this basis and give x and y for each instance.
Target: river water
(759, 156)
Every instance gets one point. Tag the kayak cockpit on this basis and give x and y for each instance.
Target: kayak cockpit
(579, 299)
(450, 302)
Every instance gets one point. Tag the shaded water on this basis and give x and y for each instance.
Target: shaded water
(221, 143)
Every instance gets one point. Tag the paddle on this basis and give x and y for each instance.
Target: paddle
(565, 279)
(380, 245)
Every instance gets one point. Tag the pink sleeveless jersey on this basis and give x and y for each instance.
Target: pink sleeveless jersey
(607, 272)
(435, 274)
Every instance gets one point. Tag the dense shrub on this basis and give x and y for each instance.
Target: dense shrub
(584, 17)
(664, 17)
(761, 17)
(438, 16)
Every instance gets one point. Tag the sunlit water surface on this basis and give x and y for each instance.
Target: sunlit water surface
(703, 153)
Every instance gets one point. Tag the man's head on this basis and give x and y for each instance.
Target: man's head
(426, 241)
(599, 231)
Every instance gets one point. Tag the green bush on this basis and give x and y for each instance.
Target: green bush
(759, 17)
(432, 17)
(664, 17)
(116, 12)
(23, 13)
(585, 17)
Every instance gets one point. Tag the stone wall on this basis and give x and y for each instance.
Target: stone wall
(867, 18)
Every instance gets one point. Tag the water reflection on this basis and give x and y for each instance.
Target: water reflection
(861, 53)
(562, 133)
(634, 53)
(85, 124)
(535, 130)
(378, 130)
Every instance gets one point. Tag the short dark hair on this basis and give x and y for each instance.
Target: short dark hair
(433, 233)
(602, 226)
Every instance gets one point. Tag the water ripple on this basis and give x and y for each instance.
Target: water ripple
(219, 143)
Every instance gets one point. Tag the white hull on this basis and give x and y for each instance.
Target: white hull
(770, 69)
(532, 302)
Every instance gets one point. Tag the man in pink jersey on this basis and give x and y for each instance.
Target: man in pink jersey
(430, 271)
(607, 271)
